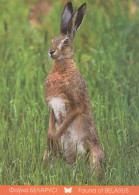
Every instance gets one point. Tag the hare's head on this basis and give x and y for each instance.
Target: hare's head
(62, 46)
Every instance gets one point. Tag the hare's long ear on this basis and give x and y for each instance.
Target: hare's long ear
(66, 15)
(76, 20)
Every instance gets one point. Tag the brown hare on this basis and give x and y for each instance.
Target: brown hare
(67, 96)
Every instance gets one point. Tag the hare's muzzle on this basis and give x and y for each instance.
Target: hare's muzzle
(51, 52)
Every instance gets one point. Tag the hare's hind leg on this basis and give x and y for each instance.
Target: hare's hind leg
(50, 134)
(98, 157)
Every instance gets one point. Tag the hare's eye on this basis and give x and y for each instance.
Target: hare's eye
(66, 41)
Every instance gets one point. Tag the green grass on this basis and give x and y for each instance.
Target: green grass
(107, 55)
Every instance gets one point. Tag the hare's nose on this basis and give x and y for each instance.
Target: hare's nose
(51, 52)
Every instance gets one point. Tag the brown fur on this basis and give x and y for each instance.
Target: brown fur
(66, 82)
(64, 52)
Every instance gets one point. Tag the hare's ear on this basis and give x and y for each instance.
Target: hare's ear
(66, 15)
(76, 20)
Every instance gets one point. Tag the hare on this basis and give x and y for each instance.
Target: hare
(66, 93)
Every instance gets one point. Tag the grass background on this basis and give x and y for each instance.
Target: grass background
(107, 55)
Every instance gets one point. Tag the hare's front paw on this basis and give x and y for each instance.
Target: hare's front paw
(50, 140)
(50, 135)
(57, 145)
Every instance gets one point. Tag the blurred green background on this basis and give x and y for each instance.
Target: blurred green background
(107, 55)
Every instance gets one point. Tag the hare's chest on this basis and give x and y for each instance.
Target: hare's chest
(59, 107)
(70, 140)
